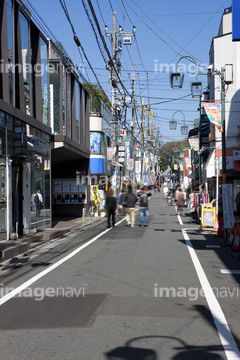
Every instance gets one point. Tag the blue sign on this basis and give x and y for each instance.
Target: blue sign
(235, 20)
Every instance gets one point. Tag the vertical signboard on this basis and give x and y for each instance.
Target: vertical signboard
(235, 20)
(228, 216)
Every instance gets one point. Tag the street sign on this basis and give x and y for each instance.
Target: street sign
(123, 132)
(121, 154)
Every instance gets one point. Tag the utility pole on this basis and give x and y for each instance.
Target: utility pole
(133, 119)
(114, 67)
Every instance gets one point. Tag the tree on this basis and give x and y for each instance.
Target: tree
(167, 153)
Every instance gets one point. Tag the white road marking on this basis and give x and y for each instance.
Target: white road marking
(179, 217)
(20, 288)
(226, 337)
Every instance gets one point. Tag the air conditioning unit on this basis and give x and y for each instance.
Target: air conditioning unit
(127, 40)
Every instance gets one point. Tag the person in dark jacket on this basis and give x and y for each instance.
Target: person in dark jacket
(122, 201)
(144, 207)
(111, 206)
(131, 200)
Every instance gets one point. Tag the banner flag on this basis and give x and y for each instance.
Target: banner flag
(214, 113)
(194, 143)
(110, 152)
(130, 164)
(188, 162)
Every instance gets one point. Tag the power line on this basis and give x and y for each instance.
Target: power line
(105, 45)
(79, 45)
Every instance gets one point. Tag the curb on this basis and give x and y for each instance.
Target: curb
(29, 242)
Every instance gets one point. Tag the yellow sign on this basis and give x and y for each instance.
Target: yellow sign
(95, 196)
(208, 215)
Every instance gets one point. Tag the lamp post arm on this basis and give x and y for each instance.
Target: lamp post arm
(181, 113)
(188, 57)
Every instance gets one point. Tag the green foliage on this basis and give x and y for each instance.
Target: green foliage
(166, 153)
(61, 48)
(96, 93)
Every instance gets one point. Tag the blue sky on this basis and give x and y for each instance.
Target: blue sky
(165, 31)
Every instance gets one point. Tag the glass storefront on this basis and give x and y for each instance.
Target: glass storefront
(24, 169)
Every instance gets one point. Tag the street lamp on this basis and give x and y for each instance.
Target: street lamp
(173, 124)
(176, 79)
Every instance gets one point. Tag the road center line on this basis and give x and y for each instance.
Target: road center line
(29, 282)
(226, 337)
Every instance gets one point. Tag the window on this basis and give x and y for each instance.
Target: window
(10, 48)
(54, 98)
(77, 102)
(69, 105)
(64, 99)
(44, 80)
(25, 62)
(84, 116)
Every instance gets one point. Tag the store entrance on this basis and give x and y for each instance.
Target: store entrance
(17, 211)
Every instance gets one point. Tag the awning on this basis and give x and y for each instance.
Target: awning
(204, 131)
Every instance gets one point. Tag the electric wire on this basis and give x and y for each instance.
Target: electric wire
(105, 46)
(79, 45)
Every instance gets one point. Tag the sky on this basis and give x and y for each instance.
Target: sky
(165, 31)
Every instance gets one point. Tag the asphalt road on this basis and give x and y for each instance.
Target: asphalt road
(152, 293)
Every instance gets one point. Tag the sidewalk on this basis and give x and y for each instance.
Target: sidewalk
(12, 248)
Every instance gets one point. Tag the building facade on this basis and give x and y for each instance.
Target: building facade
(225, 53)
(44, 126)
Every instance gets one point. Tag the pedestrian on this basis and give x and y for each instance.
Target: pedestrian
(131, 200)
(165, 191)
(176, 193)
(144, 207)
(111, 206)
(38, 201)
(180, 201)
(123, 202)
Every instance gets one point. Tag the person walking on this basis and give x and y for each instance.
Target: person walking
(122, 201)
(180, 201)
(131, 200)
(38, 201)
(111, 206)
(144, 208)
(165, 191)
